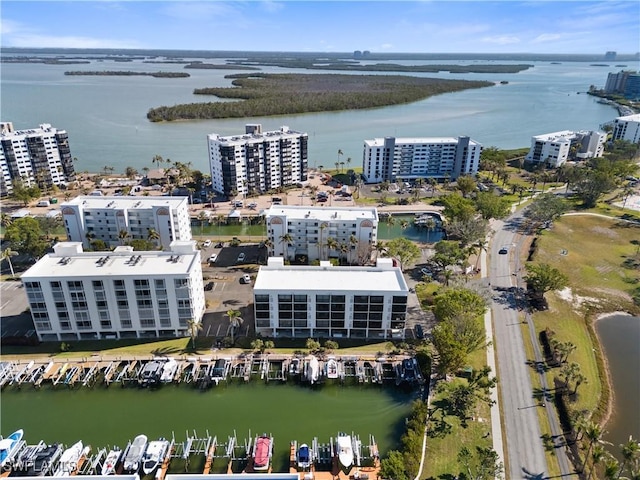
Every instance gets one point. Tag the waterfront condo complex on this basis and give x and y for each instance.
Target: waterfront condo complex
(318, 233)
(117, 219)
(39, 156)
(391, 159)
(627, 128)
(257, 161)
(554, 149)
(330, 302)
(123, 293)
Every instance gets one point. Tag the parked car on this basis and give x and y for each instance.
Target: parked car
(219, 245)
(419, 331)
(246, 278)
(213, 257)
(209, 286)
(241, 257)
(207, 243)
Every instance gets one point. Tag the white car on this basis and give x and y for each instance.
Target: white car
(213, 257)
(246, 278)
(207, 243)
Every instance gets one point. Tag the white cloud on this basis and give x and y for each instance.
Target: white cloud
(199, 10)
(547, 37)
(386, 46)
(271, 6)
(49, 41)
(501, 39)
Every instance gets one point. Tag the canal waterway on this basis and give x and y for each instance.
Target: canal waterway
(620, 339)
(113, 416)
(105, 116)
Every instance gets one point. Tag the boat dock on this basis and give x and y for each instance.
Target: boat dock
(207, 372)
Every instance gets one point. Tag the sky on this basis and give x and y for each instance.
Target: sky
(504, 26)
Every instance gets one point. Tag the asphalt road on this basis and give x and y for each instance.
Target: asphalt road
(524, 447)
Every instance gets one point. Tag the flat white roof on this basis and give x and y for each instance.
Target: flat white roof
(117, 264)
(323, 214)
(379, 142)
(260, 137)
(125, 202)
(317, 278)
(630, 118)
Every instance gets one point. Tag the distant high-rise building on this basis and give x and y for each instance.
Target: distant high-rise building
(257, 161)
(610, 55)
(632, 87)
(617, 83)
(390, 158)
(627, 128)
(39, 156)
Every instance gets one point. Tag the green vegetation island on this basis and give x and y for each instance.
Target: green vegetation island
(218, 66)
(286, 94)
(117, 73)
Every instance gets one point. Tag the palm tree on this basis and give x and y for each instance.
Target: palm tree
(287, 238)
(593, 432)
(430, 224)
(153, 235)
(5, 220)
(234, 321)
(433, 183)
(123, 235)
(630, 453)
(348, 161)
(193, 328)
(202, 217)
(611, 468)
(322, 228)
(7, 253)
(269, 246)
(341, 167)
(404, 224)
(353, 242)
(337, 164)
(598, 454)
(344, 250)
(332, 244)
(339, 155)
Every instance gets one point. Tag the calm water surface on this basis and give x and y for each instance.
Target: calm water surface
(620, 338)
(106, 116)
(103, 417)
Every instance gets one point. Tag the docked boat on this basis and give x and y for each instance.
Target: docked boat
(151, 373)
(42, 463)
(313, 369)
(169, 370)
(262, 452)
(154, 455)
(344, 450)
(303, 456)
(111, 462)
(332, 368)
(9, 446)
(134, 453)
(294, 367)
(69, 460)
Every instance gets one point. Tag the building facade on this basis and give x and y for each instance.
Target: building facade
(330, 302)
(87, 218)
(627, 128)
(39, 156)
(257, 161)
(554, 149)
(74, 294)
(391, 159)
(319, 233)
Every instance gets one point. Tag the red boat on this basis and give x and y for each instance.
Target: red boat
(262, 452)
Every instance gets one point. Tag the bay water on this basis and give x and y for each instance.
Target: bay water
(105, 116)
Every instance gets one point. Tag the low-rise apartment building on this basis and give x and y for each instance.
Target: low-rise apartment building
(320, 233)
(75, 295)
(627, 128)
(39, 156)
(330, 302)
(257, 161)
(118, 219)
(406, 159)
(554, 149)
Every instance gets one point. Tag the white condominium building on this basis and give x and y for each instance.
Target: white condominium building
(109, 218)
(320, 233)
(391, 159)
(257, 161)
(330, 302)
(554, 149)
(39, 156)
(121, 294)
(627, 128)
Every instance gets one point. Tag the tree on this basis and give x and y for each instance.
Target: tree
(593, 185)
(5, 219)
(448, 252)
(630, 454)
(202, 217)
(484, 465)
(451, 353)
(542, 278)
(454, 303)
(467, 231)
(312, 345)
(545, 208)
(332, 244)
(7, 253)
(598, 454)
(153, 235)
(23, 193)
(339, 155)
(492, 206)
(404, 250)
(457, 207)
(123, 235)
(392, 467)
(141, 245)
(130, 172)
(234, 321)
(26, 236)
(193, 328)
(331, 345)
(593, 433)
(466, 184)
(286, 239)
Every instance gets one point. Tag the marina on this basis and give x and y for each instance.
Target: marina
(162, 458)
(206, 372)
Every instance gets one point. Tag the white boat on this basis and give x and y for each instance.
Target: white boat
(69, 460)
(9, 446)
(344, 449)
(262, 452)
(111, 462)
(332, 368)
(169, 371)
(133, 455)
(154, 454)
(313, 369)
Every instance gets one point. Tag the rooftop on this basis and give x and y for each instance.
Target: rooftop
(382, 278)
(258, 136)
(69, 261)
(323, 214)
(630, 118)
(379, 142)
(125, 202)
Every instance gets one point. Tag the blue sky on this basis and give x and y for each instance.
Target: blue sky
(537, 26)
